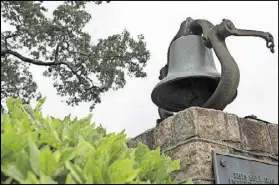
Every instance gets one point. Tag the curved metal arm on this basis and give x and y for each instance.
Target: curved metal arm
(227, 28)
(214, 37)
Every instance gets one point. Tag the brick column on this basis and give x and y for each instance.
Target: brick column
(192, 134)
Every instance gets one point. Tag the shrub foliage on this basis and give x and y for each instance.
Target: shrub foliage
(46, 150)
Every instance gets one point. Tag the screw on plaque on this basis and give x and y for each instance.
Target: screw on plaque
(223, 163)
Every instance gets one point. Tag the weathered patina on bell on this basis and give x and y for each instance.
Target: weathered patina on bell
(192, 76)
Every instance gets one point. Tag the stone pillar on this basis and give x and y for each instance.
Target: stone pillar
(192, 134)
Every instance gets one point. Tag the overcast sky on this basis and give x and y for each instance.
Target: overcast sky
(131, 108)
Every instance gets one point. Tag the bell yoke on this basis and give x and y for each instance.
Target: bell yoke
(190, 77)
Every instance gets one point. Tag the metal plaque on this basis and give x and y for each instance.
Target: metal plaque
(232, 169)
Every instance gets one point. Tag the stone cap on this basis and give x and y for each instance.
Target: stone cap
(254, 137)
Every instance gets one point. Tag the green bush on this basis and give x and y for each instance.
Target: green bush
(39, 150)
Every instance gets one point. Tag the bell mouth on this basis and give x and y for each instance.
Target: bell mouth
(181, 93)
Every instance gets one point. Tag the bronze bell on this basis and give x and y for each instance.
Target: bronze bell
(192, 76)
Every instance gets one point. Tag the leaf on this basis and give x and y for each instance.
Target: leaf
(28, 110)
(48, 162)
(40, 102)
(86, 120)
(67, 155)
(140, 152)
(175, 165)
(84, 148)
(93, 172)
(34, 154)
(75, 171)
(67, 119)
(122, 171)
(10, 104)
(31, 179)
(48, 138)
(46, 179)
(12, 171)
(70, 180)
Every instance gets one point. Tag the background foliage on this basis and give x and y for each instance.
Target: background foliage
(81, 70)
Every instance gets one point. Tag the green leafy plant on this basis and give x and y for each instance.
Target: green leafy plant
(46, 150)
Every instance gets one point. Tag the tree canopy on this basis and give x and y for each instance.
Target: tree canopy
(81, 70)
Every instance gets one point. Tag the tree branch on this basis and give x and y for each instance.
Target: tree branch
(40, 63)
(6, 40)
(6, 51)
(81, 78)
(57, 49)
(28, 60)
